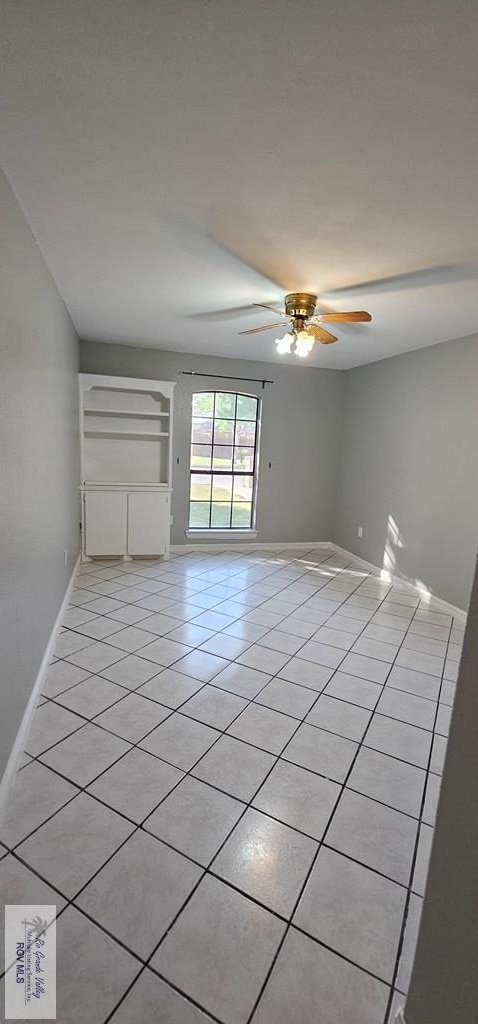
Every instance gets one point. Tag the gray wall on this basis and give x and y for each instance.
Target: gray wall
(408, 454)
(444, 979)
(299, 436)
(38, 461)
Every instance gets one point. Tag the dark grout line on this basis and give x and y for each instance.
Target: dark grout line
(223, 732)
(189, 999)
(305, 883)
(225, 840)
(415, 851)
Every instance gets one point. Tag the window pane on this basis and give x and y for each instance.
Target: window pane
(243, 488)
(225, 405)
(222, 460)
(200, 487)
(201, 431)
(222, 488)
(246, 407)
(203, 403)
(241, 513)
(201, 456)
(245, 432)
(220, 513)
(222, 457)
(199, 514)
(223, 431)
(244, 459)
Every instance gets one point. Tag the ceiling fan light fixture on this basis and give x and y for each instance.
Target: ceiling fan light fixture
(304, 344)
(284, 345)
(306, 326)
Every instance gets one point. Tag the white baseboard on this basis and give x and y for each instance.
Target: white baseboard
(246, 546)
(403, 582)
(324, 545)
(14, 760)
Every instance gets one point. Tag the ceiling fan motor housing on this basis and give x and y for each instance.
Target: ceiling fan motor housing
(300, 305)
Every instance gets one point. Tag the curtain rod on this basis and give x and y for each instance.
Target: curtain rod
(223, 376)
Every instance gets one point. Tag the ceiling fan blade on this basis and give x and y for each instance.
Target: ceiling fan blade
(424, 278)
(359, 316)
(234, 313)
(320, 335)
(278, 312)
(267, 327)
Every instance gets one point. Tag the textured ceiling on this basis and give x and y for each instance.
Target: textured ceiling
(180, 158)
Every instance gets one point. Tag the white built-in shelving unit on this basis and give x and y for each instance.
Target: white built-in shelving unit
(126, 455)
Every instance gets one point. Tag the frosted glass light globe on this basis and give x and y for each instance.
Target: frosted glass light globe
(304, 344)
(284, 344)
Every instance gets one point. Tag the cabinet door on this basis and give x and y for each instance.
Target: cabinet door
(148, 523)
(105, 523)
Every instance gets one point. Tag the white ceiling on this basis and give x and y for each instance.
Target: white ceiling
(180, 157)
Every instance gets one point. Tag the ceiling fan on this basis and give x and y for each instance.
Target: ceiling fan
(305, 324)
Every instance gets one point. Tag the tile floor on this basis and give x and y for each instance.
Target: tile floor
(229, 789)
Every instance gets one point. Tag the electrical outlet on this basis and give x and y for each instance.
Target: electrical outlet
(360, 531)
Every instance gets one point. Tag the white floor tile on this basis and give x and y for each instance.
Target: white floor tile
(74, 844)
(104, 967)
(388, 780)
(377, 836)
(410, 937)
(298, 797)
(50, 724)
(399, 739)
(91, 696)
(322, 752)
(259, 840)
(339, 716)
(289, 698)
(179, 740)
(214, 707)
(205, 954)
(96, 657)
(37, 793)
(195, 819)
(85, 754)
(170, 688)
(290, 680)
(150, 996)
(307, 976)
(353, 911)
(136, 784)
(132, 717)
(264, 728)
(235, 767)
(119, 897)
(245, 682)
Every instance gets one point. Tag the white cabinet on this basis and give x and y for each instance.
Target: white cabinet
(126, 449)
(148, 523)
(105, 523)
(126, 523)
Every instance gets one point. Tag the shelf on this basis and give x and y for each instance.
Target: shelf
(126, 413)
(125, 435)
(91, 485)
(126, 385)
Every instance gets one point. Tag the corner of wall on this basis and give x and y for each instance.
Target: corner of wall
(334, 499)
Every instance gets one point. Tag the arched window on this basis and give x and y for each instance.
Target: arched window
(223, 462)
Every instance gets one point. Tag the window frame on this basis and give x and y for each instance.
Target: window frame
(231, 473)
